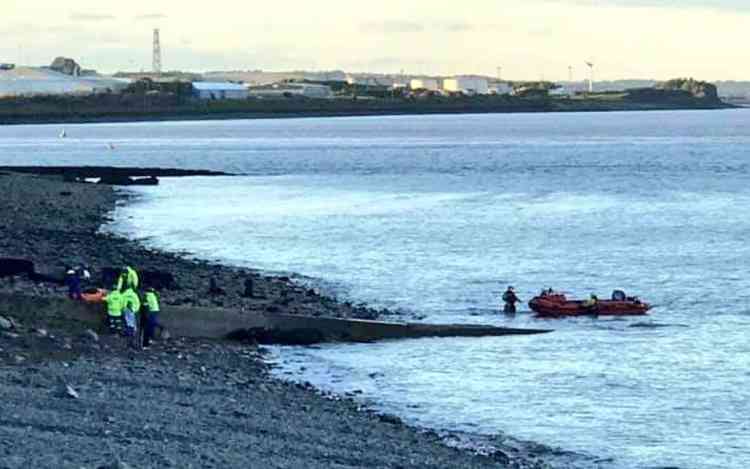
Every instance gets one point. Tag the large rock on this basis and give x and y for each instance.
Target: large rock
(66, 66)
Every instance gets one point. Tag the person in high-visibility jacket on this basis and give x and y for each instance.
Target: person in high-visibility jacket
(115, 305)
(128, 278)
(132, 308)
(152, 316)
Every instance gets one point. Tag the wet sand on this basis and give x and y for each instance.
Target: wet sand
(73, 398)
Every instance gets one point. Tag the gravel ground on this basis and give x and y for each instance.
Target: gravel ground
(191, 404)
(72, 398)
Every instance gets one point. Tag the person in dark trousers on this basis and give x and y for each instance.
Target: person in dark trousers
(132, 323)
(152, 316)
(73, 282)
(510, 299)
(84, 274)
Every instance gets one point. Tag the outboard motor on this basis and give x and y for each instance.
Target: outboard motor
(618, 295)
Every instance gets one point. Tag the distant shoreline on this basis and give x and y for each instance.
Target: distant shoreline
(312, 109)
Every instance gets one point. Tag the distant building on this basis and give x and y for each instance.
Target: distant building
(288, 90)
(33, 81)
(430, 84)
(561, 92)
(219, 90)
(466, 85)
(500, 88)
(530, 91)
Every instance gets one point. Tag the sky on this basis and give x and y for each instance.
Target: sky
(528, 39)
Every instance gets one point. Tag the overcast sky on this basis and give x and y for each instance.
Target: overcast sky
(530, 39)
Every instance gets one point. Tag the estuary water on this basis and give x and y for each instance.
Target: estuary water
(434, 216)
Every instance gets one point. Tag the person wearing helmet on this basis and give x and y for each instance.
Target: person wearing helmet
(510, 298)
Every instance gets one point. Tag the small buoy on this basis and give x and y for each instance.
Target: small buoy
(63, 134)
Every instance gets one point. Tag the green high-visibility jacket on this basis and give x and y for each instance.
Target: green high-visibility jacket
(115, 303)
(132, 301)
(152, 301)
(133, 278)
(128, 279)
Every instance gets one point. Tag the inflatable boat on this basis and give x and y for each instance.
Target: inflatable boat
(557, 305)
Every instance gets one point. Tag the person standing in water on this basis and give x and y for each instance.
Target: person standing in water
(510, 298)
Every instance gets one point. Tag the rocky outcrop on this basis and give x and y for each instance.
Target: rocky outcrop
(66, 66)
(697, 89)
(681, 93)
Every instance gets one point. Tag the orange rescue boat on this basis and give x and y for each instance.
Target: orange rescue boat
(556, 305)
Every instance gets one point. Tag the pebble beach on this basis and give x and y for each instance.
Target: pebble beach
(78, 398)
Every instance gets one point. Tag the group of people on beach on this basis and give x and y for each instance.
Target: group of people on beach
(133, 315)
(131, 311)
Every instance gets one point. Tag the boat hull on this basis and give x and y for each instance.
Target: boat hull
(557, 306)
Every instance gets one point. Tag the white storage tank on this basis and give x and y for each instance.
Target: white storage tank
(430, 84)
(467, 85)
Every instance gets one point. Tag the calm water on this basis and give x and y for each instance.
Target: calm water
(435, 215)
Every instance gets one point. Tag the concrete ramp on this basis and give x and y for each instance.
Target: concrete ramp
(267, 328)
(283, 328)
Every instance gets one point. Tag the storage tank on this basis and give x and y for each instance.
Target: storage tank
(467, 85)
(430, 84)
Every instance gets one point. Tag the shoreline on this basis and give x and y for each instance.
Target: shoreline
(209, 401)
(191, 115)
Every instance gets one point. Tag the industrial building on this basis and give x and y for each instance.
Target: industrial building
(500, 88)
(429, 84)
(219, 90)
(466, 85)
(34, 81)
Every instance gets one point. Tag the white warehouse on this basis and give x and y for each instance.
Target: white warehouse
(31, 81)
(219, 90)
(430, 84)
(467, 85)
